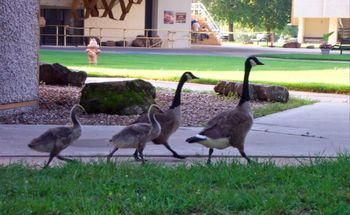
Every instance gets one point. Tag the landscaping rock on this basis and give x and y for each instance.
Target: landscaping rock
(140, 41)
(57, 74)
(292, 45)
(108, 43)
(121, 43)
(257, 91)
(120, 97)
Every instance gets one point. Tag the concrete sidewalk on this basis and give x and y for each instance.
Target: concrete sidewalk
(321, 129)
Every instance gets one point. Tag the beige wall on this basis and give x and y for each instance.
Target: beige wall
(321, 8)
(134, 22)
(182, 36)
(315, 27)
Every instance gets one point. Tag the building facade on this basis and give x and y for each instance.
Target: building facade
(317, 17)
(167, 19)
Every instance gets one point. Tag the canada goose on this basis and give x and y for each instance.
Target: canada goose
(170, 119)
(138, 134)
(231, 127)
(55, 140)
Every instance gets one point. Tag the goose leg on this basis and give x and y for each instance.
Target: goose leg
(175, 154)
(141, 155)
(241, 151)
(140, 151)
(52, 155)
(136, 156)
(111, 154)
(209, 156)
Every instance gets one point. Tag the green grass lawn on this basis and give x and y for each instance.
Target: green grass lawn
(332, 57)
(297, 75)
(222, 188)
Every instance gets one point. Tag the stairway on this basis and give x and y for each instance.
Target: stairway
(200, 13)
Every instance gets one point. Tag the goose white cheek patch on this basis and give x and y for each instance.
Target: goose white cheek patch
(252, 62)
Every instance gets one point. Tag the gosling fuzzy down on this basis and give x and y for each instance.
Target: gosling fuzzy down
(138, 134)
(230, 128)
(54, 140)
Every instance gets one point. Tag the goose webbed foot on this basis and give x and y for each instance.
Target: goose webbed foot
(245, 156)
(175, 154)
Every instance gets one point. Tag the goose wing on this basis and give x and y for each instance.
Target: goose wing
(227, 124)
(59, 137)
(138, 130)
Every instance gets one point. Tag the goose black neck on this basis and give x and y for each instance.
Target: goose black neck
(245, 91)
(75, 121)
(177, 97)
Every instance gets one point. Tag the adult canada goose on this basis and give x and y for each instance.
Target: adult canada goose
(138, 134)
(231, 127)
(170, 119)
(55, 140)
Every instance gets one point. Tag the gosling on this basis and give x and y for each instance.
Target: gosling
(54, 140)
(138, 134)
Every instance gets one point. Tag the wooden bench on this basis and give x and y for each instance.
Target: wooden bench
(344, 45)
(312, 39)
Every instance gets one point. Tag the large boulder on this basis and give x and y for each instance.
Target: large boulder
(140, 41)
(120, 97)
(257, 91)
(292, 45)
(56, 74)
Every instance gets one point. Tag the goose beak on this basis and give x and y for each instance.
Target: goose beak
(258, 62)
(195, 77)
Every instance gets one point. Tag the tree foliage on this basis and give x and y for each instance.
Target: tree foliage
(267, 14)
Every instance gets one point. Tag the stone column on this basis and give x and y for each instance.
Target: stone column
(333, 26)
(19, 48)
(301, 30)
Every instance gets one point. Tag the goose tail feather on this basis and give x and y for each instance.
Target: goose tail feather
(196, 139)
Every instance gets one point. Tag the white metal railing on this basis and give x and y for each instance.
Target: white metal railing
(201, 10)
(165, 39)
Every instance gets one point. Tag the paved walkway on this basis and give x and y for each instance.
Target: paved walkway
(321, 129)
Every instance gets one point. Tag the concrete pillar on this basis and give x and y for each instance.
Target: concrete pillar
(333, 26)
(301, 30)
(19, 45)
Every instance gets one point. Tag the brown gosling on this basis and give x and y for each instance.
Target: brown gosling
(170, 120)
(230, 128)
(55, 140)
(138, 134)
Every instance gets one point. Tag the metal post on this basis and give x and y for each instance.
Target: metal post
(99, 36)
(124, 38)
(65, 35)
(56, 35)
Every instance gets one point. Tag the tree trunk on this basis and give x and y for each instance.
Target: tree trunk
(230, 29)
(268, 30)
